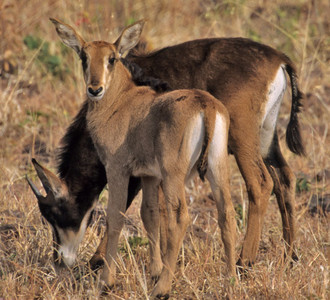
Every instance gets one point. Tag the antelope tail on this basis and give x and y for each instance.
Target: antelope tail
(209, 123)
(293, 135)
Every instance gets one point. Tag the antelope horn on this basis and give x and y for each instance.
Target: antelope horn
(34, 188)
(41, 174)
(41, 198)
(51, 183)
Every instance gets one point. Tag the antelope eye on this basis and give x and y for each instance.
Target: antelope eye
(112, 60)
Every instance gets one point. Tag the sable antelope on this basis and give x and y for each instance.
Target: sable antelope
(250, 80)
(163, 138)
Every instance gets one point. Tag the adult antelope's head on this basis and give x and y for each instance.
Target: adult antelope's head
(67, 219)
(98, 57)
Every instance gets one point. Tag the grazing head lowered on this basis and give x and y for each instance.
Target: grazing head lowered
(163, 138)
(67, 219)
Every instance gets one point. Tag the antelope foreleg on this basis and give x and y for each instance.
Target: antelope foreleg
(97, 261)
(115, 218)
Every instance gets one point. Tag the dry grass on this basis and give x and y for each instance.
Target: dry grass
(39, 98)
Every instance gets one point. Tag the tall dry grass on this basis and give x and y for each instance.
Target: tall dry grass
(42, 89)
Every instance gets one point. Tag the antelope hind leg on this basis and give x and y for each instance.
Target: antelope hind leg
(284, 189)
(259, 186)
(151, 220)
(178, 220)
(219, 181)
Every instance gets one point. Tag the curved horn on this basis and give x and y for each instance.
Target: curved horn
(41, 174)
(36, 192)
(50, 182)
(33, 187)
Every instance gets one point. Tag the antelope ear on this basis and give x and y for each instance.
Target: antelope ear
(68, 35)
(129, 37)
(51, 183)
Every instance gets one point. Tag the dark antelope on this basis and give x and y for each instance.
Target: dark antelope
(250, 80)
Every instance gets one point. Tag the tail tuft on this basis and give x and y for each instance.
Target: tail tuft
(293, 135)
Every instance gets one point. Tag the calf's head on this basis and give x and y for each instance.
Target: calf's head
(61, 211)
(98, 57)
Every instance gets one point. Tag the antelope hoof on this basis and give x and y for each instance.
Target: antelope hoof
(160, 291)
(243, 269)
(163, 297)
(96, 263)
(155, 279)
(294, 257)
(107, 289)
(155, 272)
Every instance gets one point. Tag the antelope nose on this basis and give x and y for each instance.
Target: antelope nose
(95, 92)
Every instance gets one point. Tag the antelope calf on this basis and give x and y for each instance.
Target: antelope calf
(249, 78)
(164, 138)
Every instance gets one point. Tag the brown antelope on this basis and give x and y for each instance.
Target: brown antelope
(249, 78)
(163, 138)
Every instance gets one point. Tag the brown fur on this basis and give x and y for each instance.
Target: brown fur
(238, 72)
(241, 79)
(138, 132)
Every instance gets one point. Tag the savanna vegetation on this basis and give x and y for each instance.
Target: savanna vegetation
(41, 90)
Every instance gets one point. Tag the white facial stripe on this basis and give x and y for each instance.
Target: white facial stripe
(70, 240)
(105, 70)
(106, 77)
(275, 96)
(87, 71)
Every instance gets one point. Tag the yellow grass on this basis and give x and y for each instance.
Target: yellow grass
(36, 106)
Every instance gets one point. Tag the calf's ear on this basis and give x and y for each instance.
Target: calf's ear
(129, 37)
(68, 35)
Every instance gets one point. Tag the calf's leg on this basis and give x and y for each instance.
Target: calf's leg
(178, 220)
(115, 215)
(150, 218)
(96, 261)
(218, 177)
